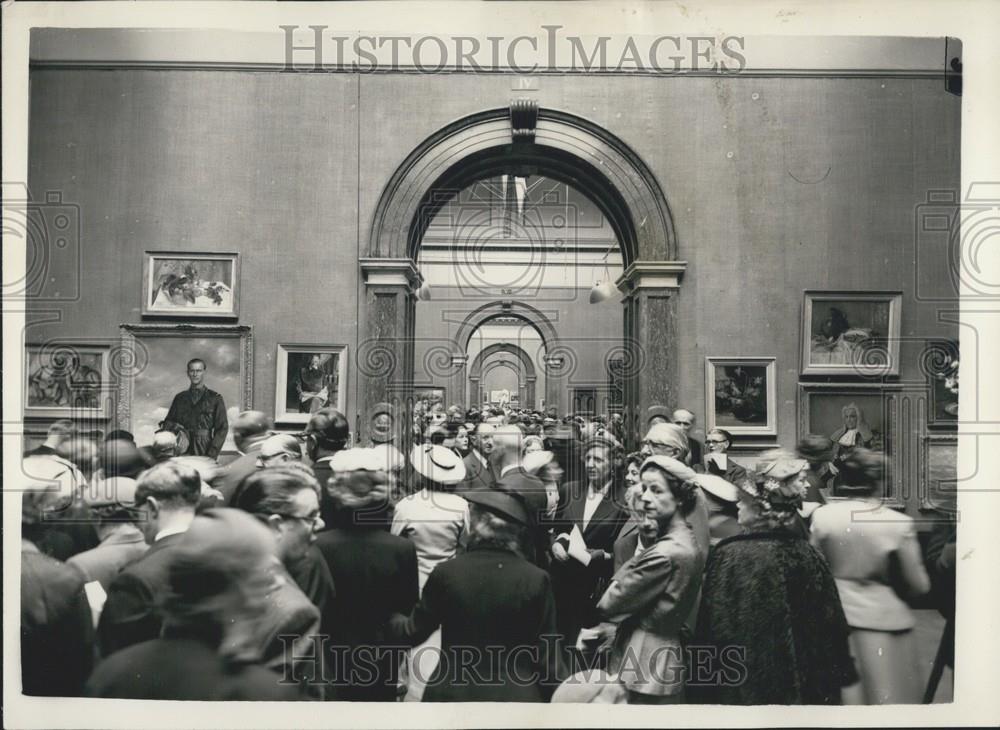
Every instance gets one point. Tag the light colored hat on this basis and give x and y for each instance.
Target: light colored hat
(357, 460)
(389, 457)
(437, 464)
(602, 437)
(676, 469)
(113, 490)
(717, 487)
(669, 434)
(780, 464)
(535, 460)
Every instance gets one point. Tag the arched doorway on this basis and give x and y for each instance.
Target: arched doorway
(508, 355)
(522, 139)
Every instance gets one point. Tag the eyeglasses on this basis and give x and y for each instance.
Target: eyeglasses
(659, 445)
(310, 519)
(272, 457)
(715, 441)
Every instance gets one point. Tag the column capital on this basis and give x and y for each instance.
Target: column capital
(459, 360)
(391, 272)
(651, 275)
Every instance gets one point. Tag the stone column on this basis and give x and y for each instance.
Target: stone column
(529, 388)
(650, 318)
(385, 348)
(458, 383)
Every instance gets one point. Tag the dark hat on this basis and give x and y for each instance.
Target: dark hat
(816, 447)
(330, 426)
(250, 423)
(381, 433)
(529, 489)
(122, 458)
(501, 503)
(658, 412)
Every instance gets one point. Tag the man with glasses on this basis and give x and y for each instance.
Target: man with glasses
(685, 419)
(717, 461)
(285, 498)
(279, 449)
(665, 439)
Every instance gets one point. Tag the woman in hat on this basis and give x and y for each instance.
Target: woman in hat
(820, 452)
(875, 558)
(656, 590)
(433, 517)
(495, 611)
(375, 575)
(771, 593)
(435, 520)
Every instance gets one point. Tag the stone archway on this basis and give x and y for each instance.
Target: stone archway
(503, 364)
(567, 148)
(477, 373)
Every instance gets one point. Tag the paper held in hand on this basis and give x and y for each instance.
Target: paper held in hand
(577, 547)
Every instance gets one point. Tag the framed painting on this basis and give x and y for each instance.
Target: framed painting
(182, 284)
(938, 473)
(851, 333)
(429, 397)
(158, 357)
(741, 395)
(940, 360)
(855, 416)
(309, 377)
(67, 380)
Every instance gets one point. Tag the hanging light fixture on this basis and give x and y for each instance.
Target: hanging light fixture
(604, 289)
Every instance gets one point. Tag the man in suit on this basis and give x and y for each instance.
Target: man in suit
(593, 508)
(57, 630)
(166, 495)
(479, 473)
(113, 505)
(375, 574)
(685, 419)
(286, 499)
(250, 430)
(219, 578)
(717, 461)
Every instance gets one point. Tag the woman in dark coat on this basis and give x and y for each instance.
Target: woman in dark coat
(496, 612)
(770, 593)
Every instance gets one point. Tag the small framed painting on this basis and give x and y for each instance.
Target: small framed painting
(938, 473)
(741, 395)
(181, 284)
(851, 333)
(309, 377)
(941, 365)
(852, 416)
(67, 380)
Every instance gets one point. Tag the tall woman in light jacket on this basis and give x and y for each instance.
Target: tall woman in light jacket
(875, 560)
(653, 593)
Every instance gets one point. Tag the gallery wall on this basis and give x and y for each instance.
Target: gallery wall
(775, 185)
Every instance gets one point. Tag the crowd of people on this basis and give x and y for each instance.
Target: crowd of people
(508, 555)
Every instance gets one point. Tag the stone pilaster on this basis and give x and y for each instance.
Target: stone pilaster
(650, 319)
(385, 358)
